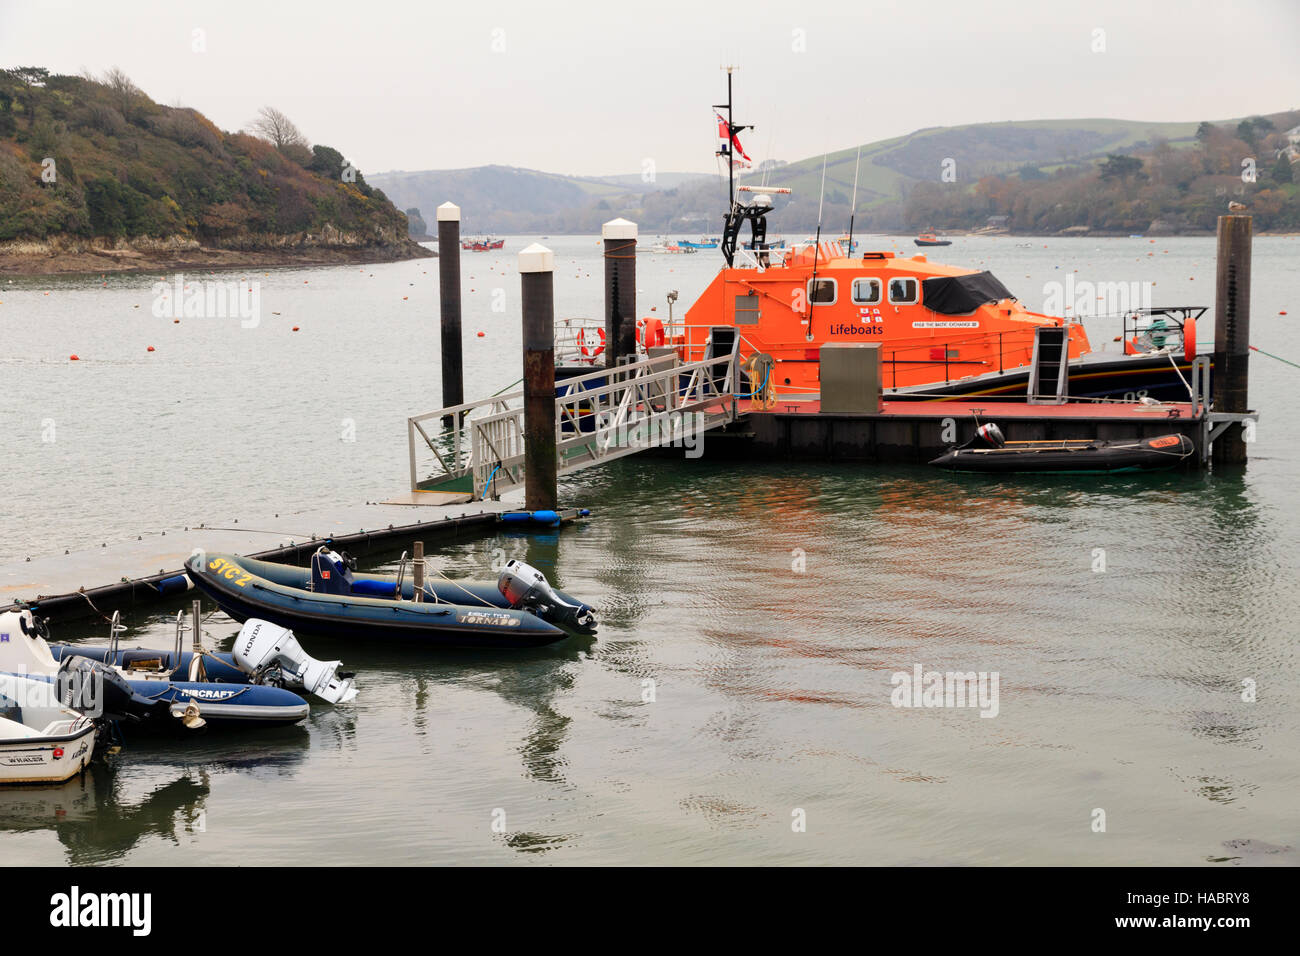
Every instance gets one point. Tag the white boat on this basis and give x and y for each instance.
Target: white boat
(41, 741)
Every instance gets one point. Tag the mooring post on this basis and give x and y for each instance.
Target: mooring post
(537, 278)
(620, 290)
(1232, 332)
(453, 374)
(417, 570)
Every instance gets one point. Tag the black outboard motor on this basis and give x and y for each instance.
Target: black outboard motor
(527, 589)
(331, 572)
(98, 691)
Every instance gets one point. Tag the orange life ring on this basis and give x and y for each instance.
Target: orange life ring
(1189, 339)
(651, 333)
(591, 342)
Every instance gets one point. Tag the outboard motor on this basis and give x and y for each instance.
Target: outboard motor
(272, 655)
(527, 589)
(991, 434)
(98, 691)
(331, 572)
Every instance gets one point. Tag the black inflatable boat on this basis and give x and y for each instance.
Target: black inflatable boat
(1071, 456)
(331, 598)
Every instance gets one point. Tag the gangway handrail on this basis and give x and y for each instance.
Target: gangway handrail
(600, 414)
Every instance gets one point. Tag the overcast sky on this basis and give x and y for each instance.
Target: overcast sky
(596, 88)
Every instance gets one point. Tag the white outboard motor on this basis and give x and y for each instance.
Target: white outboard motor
(263, 649)
(526, 588)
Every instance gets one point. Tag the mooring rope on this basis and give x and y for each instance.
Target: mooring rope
(612, 253)
(95, 609)
(458, 584)
(1272, 356)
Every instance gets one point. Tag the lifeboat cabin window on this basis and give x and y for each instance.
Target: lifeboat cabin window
(904, 291)
(822, 291)
(866, 291)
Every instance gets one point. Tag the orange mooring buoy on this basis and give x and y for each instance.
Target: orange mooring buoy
(480, 335)
(295, 328)
(149, 349)
(74, 357)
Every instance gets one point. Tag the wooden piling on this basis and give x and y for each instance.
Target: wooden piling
(1232, 332)
(537, 278)
(453, 373)
(620, 289)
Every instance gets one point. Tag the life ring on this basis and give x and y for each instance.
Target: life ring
(591, 342)
(650, 332)
(1189, 339)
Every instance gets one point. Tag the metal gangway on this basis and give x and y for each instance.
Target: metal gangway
(657, 401)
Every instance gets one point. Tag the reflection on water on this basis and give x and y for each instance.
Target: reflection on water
(98, 820)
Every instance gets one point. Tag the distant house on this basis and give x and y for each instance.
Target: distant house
(997, 222)
(1293, 135)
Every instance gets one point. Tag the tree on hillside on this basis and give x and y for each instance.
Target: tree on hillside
(1118, 167)
(1282, 171)
(327, 161)
(126, 97)
(273, 125)
(1204, 130)
(30, 75)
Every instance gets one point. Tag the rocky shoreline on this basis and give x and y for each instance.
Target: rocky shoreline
(62, 256)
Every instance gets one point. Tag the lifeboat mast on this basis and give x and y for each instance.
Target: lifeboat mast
(737, 213)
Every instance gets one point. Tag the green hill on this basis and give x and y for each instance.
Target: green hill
(97, 162)
(509, 199)
(992, 168)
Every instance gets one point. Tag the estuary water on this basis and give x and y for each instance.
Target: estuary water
(755, 619)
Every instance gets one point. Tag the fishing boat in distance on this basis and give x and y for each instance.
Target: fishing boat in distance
(704, 242)
(931, 239)
(672, 248)
(481, 244)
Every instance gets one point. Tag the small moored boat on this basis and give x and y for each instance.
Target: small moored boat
(41, 741)
(930, 239)
(1068, 456)
(332, 599)
(148, 688)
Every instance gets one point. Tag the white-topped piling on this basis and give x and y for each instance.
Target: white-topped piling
(620, 289)
(537, 279)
